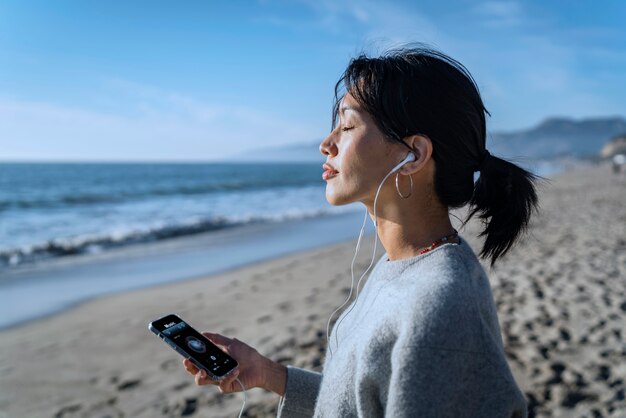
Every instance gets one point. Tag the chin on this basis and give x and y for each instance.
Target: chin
(337, 199)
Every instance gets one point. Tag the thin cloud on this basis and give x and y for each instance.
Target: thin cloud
(183, 127)
(382, 21)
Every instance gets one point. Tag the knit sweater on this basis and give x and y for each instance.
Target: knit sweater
(422, 340)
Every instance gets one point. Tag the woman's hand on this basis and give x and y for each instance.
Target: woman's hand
(254, 370)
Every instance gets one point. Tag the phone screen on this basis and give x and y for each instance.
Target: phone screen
(194, 345)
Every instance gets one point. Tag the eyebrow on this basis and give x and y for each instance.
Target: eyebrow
(343, 109)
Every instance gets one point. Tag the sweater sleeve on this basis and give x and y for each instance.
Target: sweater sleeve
(434, 382)
(301, 393)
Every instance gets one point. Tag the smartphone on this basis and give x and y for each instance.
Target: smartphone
(190, 344)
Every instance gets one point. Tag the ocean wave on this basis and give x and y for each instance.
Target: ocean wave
(95, 198)
(93, 243)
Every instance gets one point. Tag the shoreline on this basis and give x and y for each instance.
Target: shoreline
(560, 295)
(35, 292)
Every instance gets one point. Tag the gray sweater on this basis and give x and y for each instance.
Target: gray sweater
(422, 340)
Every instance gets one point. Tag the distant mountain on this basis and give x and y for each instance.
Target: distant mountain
(554, 137)
(557, 137)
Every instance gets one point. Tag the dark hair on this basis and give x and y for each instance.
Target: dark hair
(419, 91)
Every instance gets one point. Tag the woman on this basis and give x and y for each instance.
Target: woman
(423, 338)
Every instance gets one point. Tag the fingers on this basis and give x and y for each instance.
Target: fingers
(218, 339)
(225, 385)
(202, 378)
(190, 367)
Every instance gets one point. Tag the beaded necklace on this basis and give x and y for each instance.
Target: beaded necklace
(439, 242)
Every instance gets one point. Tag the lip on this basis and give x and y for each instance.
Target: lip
(329, 172)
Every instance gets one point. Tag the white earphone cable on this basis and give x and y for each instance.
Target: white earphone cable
(352, 266)
(244, 397)
(358, 245)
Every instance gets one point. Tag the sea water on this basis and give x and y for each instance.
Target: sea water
(56, 210)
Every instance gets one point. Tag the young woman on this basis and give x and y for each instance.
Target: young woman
(422, 338)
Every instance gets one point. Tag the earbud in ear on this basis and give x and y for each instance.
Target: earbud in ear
(409, 157)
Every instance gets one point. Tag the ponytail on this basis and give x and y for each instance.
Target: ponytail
(505, 195)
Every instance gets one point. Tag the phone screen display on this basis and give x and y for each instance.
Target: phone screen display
(195, 345)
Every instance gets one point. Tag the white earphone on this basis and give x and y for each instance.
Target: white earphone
(409, 158)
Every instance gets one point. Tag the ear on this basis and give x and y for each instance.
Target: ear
(422, 147)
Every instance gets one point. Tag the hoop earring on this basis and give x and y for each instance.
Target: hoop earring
(398, 187)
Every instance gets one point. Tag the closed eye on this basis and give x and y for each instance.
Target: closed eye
(347, 128)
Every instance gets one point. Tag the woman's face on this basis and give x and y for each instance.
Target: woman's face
(357, 156)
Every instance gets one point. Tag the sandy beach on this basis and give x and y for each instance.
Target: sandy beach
(561, 297)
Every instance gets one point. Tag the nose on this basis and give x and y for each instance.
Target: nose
(328, 147)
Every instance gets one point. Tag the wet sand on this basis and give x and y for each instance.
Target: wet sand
(561, 296)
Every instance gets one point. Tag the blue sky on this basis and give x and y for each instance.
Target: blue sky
(202, 80)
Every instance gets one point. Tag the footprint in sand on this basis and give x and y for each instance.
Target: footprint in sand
(307, 344)
(336, 279)
(544, 351)
(191, 404)
(285, 306)
(284, 359)
(617, 333)
(105, 408)
(265, 339)
(129, 384)
(181, 385)
(573, 397)
(67, 411)
(228, 331)
(603, 373)
(263, 319)
(170, 364)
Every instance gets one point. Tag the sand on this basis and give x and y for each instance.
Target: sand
(561, 296)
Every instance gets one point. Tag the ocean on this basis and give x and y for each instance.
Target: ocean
(56, 210)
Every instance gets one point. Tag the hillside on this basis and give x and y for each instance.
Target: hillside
(557, 137)
(554, 137)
